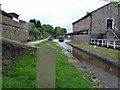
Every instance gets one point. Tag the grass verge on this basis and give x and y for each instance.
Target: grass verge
(105, 51)
(22, 74)
(66, 74)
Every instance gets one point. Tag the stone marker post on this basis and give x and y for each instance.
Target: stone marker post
(0, 52)
(46, 67)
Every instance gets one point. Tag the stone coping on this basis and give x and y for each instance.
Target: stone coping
(105, 58)
(16, 43)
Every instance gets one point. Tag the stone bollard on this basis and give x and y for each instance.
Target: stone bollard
(46, 67)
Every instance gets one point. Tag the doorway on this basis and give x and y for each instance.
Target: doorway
(110, 23)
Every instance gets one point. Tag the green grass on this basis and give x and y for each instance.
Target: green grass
(22, 74)
(66, 74)
(105, 51)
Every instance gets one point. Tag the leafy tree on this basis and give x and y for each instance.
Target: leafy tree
(33, 21)
(38, 24)
(57, 30)
(33, 31)
(48, 28)
(64, 31)
(60, 31)
(116, 3)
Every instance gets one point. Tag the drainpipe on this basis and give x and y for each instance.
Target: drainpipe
(90, 27)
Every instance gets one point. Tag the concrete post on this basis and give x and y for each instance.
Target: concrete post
(46, 67)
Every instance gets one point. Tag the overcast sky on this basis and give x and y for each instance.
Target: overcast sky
(54, 12)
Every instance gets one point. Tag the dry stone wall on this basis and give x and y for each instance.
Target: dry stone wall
(13, 30)
(12, 50)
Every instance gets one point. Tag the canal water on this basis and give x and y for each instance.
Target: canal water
(109, 80)
(64, 45)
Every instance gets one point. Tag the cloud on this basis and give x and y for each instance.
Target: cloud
(55, 12)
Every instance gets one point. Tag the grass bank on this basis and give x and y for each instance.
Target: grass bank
(102, 50)
(66, 74)
(22, 74)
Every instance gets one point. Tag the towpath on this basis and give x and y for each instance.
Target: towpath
(82, 68)
(35, 42)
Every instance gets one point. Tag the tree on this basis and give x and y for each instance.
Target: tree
(38, 24)
(33, 21)
(64, 31)
(33, 31)
(60, 31)
(57, 30)
(116, 3)
(48, 28)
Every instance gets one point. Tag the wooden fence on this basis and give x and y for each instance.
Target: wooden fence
(114, 43)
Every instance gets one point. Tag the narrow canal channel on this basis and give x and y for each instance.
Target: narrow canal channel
(64, 45)
(109, 80)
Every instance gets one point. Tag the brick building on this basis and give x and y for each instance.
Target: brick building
(102, 23)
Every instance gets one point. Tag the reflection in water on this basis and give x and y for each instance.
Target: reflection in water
(64, 45)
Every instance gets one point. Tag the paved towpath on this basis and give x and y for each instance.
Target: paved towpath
(34, 42)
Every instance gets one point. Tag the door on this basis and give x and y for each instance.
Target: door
(109, 23)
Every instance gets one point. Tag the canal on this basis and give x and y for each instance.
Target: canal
(108, 80)
(64, 45)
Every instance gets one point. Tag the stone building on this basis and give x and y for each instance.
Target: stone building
(102, 23)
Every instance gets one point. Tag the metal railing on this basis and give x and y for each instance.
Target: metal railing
(115, 32)
(114, 43)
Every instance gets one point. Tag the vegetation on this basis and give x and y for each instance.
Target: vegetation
(116, 3)
(60, 31)
(66, 74)
(5, 14)
(22, 74)
(105, 51)
(37, 30)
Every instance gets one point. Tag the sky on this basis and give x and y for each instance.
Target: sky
(54, 12)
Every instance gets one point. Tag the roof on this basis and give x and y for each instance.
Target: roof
(79, 32)
(89, 14)
(14, 15)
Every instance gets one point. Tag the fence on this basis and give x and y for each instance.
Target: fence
(114, 43)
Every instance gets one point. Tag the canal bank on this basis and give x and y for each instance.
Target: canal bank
(105, 68)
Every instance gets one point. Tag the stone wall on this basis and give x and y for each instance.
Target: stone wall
(104, 62)
(99, 18)
(12, 50)
(13, 30)
(96, 24)
(83, 24)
